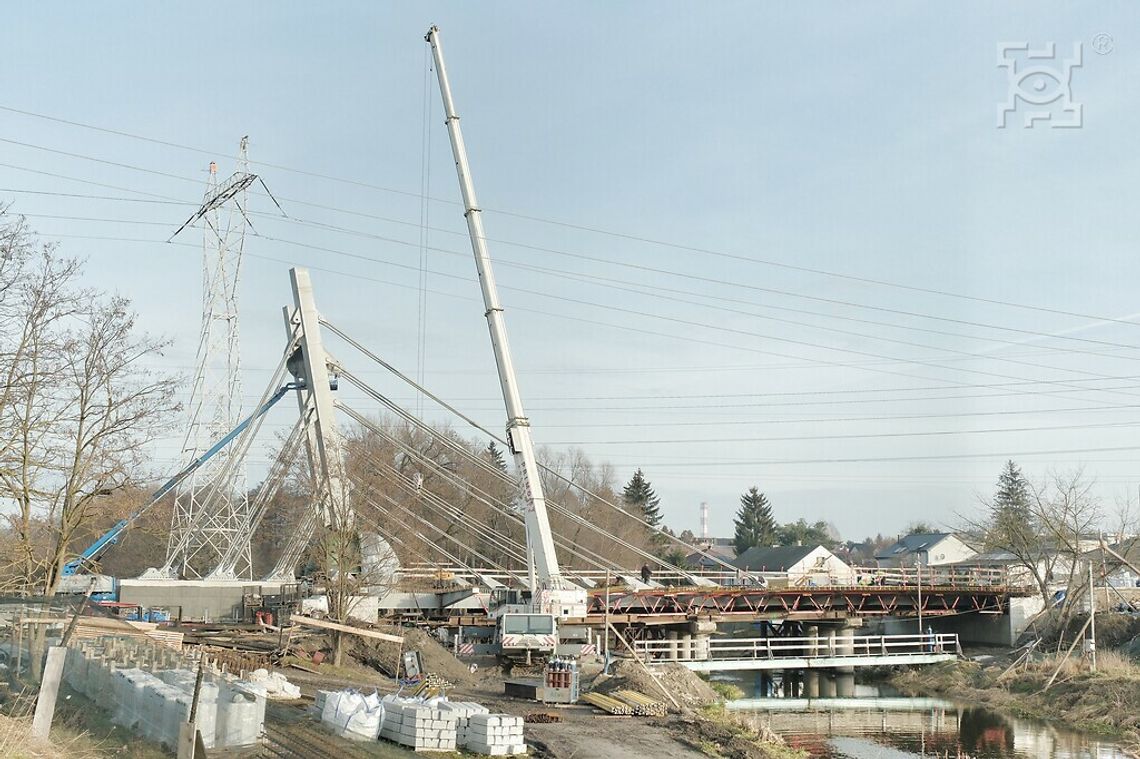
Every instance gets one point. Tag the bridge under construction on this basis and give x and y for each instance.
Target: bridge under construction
(444, 534)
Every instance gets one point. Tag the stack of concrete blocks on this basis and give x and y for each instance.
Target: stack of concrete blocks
(241, 713)
(495, 735)
(463, 710)
(231, 713)
(207, 715)
(419, 726)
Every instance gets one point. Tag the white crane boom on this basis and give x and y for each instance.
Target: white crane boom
(550, 589)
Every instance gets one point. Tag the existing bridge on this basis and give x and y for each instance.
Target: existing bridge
(806, 653)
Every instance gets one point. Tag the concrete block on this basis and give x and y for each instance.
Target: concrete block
(485, 720)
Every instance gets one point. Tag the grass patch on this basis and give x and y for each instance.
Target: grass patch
(726, 691)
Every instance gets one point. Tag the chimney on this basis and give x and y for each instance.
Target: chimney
(704, 520)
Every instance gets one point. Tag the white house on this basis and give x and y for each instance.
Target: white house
(804, 565)
(926, 548)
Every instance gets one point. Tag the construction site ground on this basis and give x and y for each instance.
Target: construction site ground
(294, 731)
(293, 728)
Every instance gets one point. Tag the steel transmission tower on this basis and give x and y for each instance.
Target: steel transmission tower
(212, 505)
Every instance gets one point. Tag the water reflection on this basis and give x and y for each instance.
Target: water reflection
(875, 725)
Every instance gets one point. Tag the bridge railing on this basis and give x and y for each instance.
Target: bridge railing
(959, 577)
(954, 576)
(799, 648)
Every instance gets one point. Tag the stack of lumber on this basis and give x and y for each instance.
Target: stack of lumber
(87, 628)
(643, 705)
(608, 703)
(431, 686)
(626, 702)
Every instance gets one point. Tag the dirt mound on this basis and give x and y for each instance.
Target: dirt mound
(685, 686)
(382, 655)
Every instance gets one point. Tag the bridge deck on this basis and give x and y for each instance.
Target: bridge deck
(806, 603)
(815, 652)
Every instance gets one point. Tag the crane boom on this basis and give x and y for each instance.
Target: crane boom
(549, 588)
(96, 550)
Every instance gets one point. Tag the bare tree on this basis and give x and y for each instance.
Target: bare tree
(76, 409)
(1046, 527)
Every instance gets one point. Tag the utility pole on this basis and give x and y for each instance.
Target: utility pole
(1092, 621)
(550, 590)
(918, 579)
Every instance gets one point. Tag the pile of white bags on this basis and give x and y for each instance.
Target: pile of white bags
(353, 715)
(276, 685)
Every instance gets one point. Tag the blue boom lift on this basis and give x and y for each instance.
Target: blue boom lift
(87, 559)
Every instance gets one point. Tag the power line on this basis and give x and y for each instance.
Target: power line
(606, 232)
(625, 264)
(844, 436)
(866, 366)
(933, 363)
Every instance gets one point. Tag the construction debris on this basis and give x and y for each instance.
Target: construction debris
(542, 718)
(363, 632)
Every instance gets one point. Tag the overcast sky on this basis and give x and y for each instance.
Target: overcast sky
(738, 243)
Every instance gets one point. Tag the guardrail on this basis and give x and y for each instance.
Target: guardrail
(815, 647)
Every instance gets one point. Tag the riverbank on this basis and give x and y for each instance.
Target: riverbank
(717, 732)
(1106, 702)
(699, 724)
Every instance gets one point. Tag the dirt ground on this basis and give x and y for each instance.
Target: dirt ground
(583, 733)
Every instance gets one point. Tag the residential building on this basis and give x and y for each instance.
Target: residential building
(803, 565)
(925, 548)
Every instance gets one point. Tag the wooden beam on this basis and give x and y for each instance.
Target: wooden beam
(324, 623)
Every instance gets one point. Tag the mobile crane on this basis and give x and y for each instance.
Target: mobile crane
(74, 580)
(527, 622)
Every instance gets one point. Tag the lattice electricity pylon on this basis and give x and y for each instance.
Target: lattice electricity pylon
(202, 538)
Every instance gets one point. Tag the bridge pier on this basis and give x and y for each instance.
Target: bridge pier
(845, 676)
(702, 630)
(826, 684)
(811, 683)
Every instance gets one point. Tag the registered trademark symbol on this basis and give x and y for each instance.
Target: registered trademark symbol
(1103, 43)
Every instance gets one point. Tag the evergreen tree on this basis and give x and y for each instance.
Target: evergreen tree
(755, 525)
(496, 456)
(1013, 490)
(1010, 515)
(639, 497)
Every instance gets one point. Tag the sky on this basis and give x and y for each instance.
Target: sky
(738, 243)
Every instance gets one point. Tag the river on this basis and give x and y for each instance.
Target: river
(877, 723)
